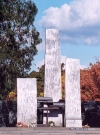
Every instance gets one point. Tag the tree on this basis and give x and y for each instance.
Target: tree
(18, 40)
(63, 80)
(87, 85)
(40, 80)
(90, 82)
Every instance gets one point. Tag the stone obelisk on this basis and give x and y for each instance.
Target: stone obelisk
(72, 93)
(52, 85)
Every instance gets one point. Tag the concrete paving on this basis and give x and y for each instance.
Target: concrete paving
(49, 131)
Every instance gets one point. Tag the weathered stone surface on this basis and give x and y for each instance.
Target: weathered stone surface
(72, 93)
(52, 86)
(26, 100)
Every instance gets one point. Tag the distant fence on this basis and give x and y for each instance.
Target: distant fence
(90, 113)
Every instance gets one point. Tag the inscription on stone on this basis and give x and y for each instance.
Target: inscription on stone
(72, 93)
(26, 100)
(52, 86)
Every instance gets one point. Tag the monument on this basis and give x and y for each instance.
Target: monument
(52, 85)
(26, 100)
(72, 93)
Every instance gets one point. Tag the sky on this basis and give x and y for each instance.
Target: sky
(78, 22)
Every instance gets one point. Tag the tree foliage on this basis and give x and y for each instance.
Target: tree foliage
(40, 79)
(18, 40)
(90, 82)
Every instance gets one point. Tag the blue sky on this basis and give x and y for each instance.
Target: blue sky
(79, 25)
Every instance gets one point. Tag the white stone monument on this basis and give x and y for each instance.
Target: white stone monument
(72, 93)
(52, 84)
(26, 100)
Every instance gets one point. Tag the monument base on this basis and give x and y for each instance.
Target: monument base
(74, 123)
(54, 116)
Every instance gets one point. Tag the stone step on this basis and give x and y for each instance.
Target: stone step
(49, 131)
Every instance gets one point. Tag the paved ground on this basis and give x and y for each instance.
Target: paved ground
(49, 131)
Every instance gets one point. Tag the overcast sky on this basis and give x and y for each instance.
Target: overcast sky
(79, 25)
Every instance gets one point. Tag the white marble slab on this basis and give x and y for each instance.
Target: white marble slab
(26, 100)
(52, 85)
(72, 93)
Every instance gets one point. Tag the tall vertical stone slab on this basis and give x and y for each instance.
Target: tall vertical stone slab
(72, 93)
(26, 100)
(52, 86)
